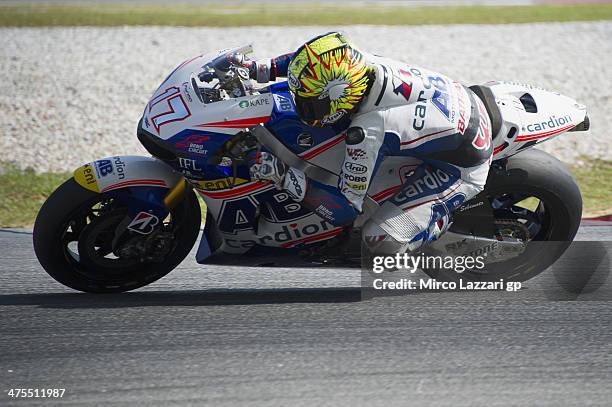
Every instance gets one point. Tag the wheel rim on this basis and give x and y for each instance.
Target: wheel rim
(523, 216)
(526, 210)
(89, 242)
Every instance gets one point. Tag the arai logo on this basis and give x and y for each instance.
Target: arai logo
(293, 81)
(355, 168)
(332, 118)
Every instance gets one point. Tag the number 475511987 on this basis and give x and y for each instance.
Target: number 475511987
(36, 393)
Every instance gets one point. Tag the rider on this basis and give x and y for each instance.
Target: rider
(389, 108)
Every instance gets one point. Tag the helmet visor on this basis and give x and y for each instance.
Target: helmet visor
(312, 109)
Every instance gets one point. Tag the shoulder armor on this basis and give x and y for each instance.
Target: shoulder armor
(354, 135)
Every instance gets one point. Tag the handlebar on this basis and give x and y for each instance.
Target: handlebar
(232, 69)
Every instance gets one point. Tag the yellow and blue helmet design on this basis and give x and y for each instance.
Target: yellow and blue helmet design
(328, 78)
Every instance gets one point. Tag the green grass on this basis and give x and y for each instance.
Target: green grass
(224, 15)
(23, 192)
(595, 180)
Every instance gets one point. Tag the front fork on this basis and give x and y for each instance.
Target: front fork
(148, 207)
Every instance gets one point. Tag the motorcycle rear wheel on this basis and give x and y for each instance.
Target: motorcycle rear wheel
(552, 222)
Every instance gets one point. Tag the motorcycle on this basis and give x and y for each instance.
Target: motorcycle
(123, 222)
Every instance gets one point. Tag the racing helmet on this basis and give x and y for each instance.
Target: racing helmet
(328, 78)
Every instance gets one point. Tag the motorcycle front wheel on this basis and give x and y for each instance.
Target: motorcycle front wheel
(75, 241)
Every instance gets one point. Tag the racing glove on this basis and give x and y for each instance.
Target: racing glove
(263, 70)
(260, 70)
(267, 167)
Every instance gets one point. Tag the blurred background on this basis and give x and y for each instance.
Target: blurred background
(75, 75)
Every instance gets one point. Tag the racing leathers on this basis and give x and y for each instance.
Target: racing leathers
(408, 111)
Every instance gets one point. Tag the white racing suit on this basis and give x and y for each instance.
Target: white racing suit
(414, 112)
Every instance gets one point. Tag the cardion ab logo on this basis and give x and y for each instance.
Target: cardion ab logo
(552, 123)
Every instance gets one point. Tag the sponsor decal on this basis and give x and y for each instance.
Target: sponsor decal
(283, 104)
(420, 111)
(222, 183)
(355, 168)
(332, 118)
(241, 219)
(470, 206)
(462, 106)
(146, 122)
(107, 167)
(254, 102)
(354, 178)
(325, 213)
(194, 138)
(143, 223)
(290, 207)
(288, 233)
(296, 187)
(104, 168)
(86, 178)
(197, 149)
(186, 91)
(192, 144)
(188, 164)
(356, 187)
(305, 140)
(552, 123)
(404, 89)
(249, 201)
(412, 71)
(356, 153)
(482, 140)
(119, 167)
(440, 98)
(484, 250)
(329, 201)
(293, 81)
(174, 109)
(431, 182)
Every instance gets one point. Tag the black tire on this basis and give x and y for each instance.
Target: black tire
(51, 228)
(540, 175)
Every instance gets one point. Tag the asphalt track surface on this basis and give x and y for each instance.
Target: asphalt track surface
(230, 337)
